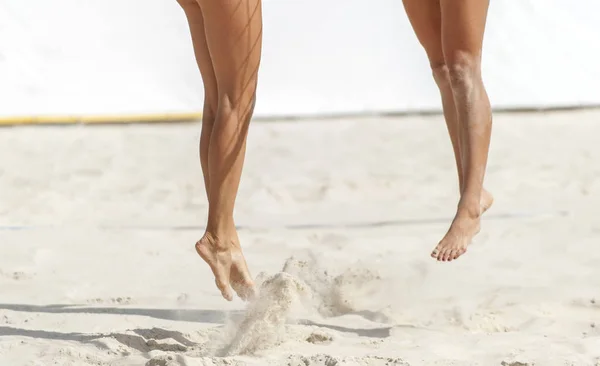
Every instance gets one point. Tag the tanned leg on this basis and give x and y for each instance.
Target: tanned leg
(426, 19)
(233, 30)
(463, 25)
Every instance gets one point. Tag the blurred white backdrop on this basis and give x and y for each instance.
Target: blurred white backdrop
(123, 57)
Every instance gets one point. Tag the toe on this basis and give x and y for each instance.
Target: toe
(242, 281)
(453, 254)
(440, 256)
(445, 255)
(458, 253)
(448, 257)
(237, 287)
(244, 289)
(224, 288)
(222, 280)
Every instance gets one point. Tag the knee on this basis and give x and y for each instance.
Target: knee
(441, 74)
(241, 106)
(463, 70)
(209, 114)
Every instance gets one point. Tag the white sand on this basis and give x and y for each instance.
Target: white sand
(99, 268)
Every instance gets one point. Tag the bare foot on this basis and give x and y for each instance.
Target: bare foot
(240, 277)
(457, 239)
(461, 232)
(227, 263)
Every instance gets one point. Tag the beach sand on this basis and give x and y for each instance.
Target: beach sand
(337, 220)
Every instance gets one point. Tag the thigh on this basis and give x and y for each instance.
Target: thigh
(195, 20)
(463, 26)
(426, 20)
(234, 37)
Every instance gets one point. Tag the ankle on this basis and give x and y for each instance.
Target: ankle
(221, 232)
(469, 208)
(219, 241)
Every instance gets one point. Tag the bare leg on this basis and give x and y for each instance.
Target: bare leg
(463, 25)
(196, 23)
(442, 78)
(234, 37)
(426, 19)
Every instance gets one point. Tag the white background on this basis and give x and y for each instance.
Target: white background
(83, 57)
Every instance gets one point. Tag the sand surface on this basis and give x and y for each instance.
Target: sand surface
(337, 218)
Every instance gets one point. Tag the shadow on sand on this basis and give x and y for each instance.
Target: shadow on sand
(186, 315)
(145, 340)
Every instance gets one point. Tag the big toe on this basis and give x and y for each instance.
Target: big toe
(436, 253)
